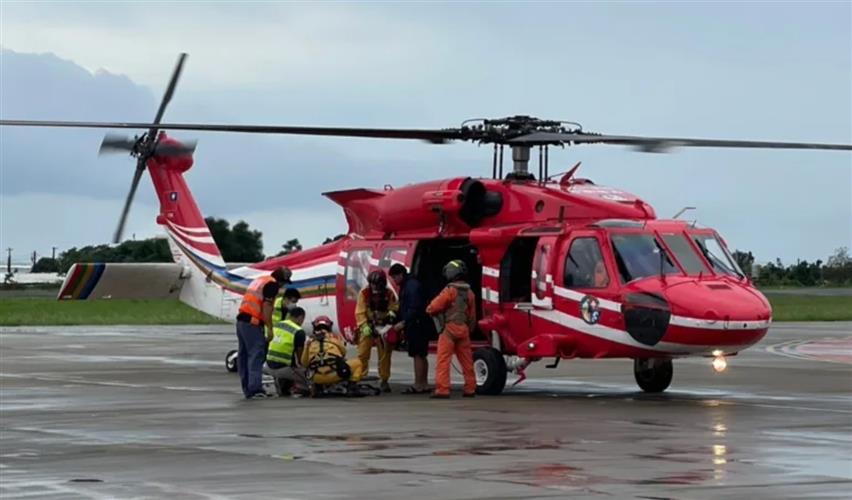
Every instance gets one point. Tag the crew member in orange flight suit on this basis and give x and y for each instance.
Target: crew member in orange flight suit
(455, 311)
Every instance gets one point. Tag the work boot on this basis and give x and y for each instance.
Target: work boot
(385, 386)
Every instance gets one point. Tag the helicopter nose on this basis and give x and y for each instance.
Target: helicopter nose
(725, 314)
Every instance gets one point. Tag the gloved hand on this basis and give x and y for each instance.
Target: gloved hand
(366, 331)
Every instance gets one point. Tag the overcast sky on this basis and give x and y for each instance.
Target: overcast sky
(775, 71)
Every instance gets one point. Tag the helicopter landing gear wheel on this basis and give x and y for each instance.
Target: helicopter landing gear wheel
(653, 375)
(489, 367)
(231, 361)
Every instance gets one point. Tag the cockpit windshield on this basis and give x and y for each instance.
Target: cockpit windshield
(717, 255)
(640, 255)
(683, 251)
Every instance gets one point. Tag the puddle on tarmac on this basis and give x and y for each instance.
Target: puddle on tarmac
(490, 449)
(375, 471)
(85, 480)
(687, 478)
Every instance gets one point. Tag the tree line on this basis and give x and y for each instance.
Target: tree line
(237, 243)
(836, 271)
(240, 243)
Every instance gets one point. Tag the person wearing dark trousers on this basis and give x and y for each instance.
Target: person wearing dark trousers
(415, 323)
(254, 329)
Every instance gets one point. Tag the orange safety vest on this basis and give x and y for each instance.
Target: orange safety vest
(253, 298)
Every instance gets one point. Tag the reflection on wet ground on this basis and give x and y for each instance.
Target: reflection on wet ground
(149, 415)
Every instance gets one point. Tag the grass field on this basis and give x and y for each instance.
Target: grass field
(48, 311)
(811, 307)
(44, 311)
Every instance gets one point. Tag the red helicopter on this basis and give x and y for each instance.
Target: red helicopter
(562, 267)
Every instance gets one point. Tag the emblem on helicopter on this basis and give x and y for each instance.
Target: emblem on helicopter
(590, 309)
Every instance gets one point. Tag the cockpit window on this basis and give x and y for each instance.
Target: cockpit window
(584, 265)
(716, 254)
(640, 256)
(685, 254)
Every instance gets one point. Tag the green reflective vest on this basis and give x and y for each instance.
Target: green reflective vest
(276, 310)
(283, 342)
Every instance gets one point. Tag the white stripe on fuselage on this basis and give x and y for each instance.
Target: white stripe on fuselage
(622, 337)
(314, 271)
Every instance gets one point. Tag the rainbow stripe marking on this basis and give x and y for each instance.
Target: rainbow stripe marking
(83, 280)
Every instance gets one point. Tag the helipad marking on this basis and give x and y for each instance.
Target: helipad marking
(828, 349)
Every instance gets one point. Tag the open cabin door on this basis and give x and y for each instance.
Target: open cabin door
(543, 270)
(355, 264)
(353, 268)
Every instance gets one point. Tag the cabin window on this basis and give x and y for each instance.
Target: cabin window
(391, 256)
(540, 270)
(357, 268)
(584, 265)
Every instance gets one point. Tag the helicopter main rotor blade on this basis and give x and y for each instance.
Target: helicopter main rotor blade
(137, 175)
(440, 136)
(431, 135)
(662, 144)
(115, 143)
(184, 148)
(170, 90)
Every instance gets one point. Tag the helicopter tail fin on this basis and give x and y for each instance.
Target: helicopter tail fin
(358, 206)
(189, 236)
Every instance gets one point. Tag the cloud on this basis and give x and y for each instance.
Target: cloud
(268, 43)
(780, 73)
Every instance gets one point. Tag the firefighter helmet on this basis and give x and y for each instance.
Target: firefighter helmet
(378, 278)
(322, 322)
(454, 270)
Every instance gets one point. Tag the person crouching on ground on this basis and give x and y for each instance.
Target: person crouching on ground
(285, 353)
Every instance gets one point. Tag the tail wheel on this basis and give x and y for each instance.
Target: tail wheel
(489, 366)
(653, 375)
(231, 361)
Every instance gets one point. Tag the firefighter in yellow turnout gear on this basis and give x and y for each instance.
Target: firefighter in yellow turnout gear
(324, 357)
(374, 313)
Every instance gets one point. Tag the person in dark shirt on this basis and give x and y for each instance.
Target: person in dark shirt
(415, 323)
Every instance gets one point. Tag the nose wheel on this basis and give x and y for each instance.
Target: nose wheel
(653, 375)
(231, 361)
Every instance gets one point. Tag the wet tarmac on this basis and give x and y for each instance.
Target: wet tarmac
(129, 412)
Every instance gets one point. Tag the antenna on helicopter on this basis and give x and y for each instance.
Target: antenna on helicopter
(682, 210)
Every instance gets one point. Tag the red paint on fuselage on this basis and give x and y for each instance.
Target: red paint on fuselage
(709, 311)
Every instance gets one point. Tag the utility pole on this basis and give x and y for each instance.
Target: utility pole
(53, 256)
(9, 261)
(34, 257)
